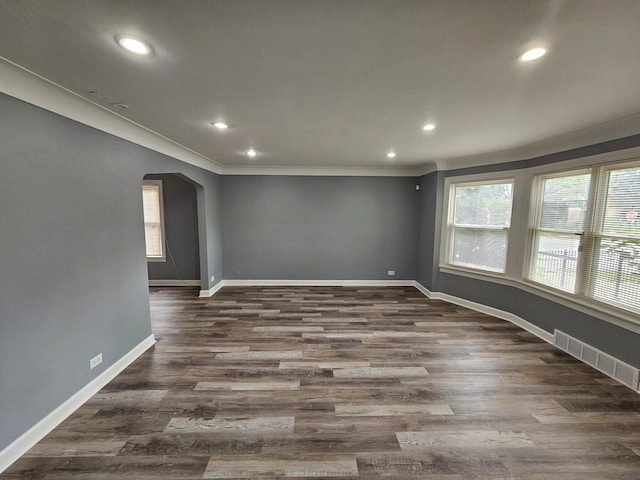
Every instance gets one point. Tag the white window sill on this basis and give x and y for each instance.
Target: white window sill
(156, 259)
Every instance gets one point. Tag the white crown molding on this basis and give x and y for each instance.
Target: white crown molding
(321, 171)
(36, 433)
(427, 168)
(30, 87)
(612, 130)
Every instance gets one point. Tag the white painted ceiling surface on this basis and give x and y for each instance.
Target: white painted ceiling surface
(339, 83)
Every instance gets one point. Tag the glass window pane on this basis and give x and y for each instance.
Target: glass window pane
(622, 207)
(151, 203)
(616, 276)
(153, 240)
(488, 204)
(556, 259)
(564, 202)
(479, 248)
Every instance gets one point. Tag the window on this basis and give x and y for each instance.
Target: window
(478, 226)
(153, 220)
(586, 234)
(614, 268)
(561, 213)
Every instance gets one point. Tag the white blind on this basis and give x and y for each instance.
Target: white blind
(151, 198)
(479, 223)
(613, 275)
(562, 203)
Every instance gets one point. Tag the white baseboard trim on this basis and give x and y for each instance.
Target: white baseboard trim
(478, 307)
(174, 283)
(494, 312)
(36, 433)
(306, 283)
(424, 290)
(319, 283)
(212, 290)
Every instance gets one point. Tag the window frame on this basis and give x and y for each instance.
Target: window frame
(595, 233)
(535, 212)
(519, 242)
(158, 184)
(446, 250)
(590, 237)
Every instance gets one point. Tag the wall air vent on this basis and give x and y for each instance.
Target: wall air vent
(616, 369)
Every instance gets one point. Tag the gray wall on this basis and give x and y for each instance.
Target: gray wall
(548, 315)
(539, 311)
(74, 272)
(429, 215)
(181, 230)
(292, 227)
(210, 229)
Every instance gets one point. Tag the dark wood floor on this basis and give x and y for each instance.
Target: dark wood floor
(345, 383)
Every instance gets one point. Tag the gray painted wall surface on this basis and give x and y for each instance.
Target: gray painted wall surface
(430, 214)
(286, 227)
(548, 315)
(586, 151)
(74, 273)
(181, 230)
(211, 222)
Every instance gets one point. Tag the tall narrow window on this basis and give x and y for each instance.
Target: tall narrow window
(479, 221)
(561, 211)
(153, 220)
(614, 273)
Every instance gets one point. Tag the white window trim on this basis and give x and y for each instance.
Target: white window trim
(162, 258)
(535, 197)
(592, 230)
(446, 237)
(519, 240)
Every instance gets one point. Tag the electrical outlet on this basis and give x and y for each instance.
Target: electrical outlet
(95, 361)
(213, 277)
(391, 273)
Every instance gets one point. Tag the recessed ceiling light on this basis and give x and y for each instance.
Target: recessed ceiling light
(123, 106)
(391, 155)
(428, 127)
(134, 45)
(532, 54)
(251, 152)
(220, 125)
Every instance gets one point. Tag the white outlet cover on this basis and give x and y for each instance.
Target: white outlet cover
(213, 277)
(95, 361)
(391, 273)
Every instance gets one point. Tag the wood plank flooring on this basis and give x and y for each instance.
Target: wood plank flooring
(343, 383)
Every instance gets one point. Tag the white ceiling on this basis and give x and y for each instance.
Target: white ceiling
(339, 83)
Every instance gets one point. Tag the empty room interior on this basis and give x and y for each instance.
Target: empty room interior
(345, 239)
